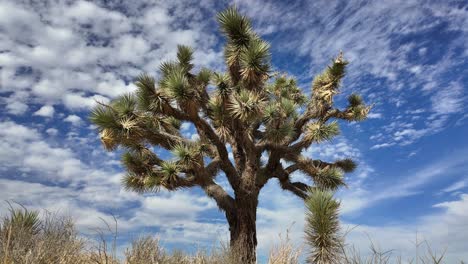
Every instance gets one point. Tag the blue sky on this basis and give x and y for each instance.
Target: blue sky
(409, 58)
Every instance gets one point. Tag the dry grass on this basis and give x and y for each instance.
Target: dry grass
(284, 252)
(424, 254)
(148, 250)
(54, 240)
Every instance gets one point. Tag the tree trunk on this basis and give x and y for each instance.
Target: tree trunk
(242, 226)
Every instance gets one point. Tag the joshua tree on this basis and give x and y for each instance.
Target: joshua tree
(249, 111)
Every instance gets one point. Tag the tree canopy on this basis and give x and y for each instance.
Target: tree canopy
(248, 110)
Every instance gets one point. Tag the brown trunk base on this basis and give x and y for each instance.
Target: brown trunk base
(244, 231)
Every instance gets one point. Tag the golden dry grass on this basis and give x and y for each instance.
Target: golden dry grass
(55, 241)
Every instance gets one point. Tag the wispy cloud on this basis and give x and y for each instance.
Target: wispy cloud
(58, 58)
(384, 46)
(409, 183)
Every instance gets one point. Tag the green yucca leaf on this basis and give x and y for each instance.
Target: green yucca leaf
(288, 107)
(347, 165)
(187, 155)
(124, 105)
(22, 220)
(152, 122)
(145, 83)
(222, 82)
(175, 84)
(355, 100)
(185, 56)
(322, 227)
(338, 67)
(256, 54)
(329, 80)
(318, 132)
(167, 124)
(132, 182)
(149, 182)
(135, 162)
(271, 112)
(104, 117)
(204, 76)
(286, 88)
(279, 134)
(232, 54)
(167, 67)
(329, 178)
(235, 26)
(216, 109)
(174, 122)
(254, 61)
(152, 182)
(281, 81)
(145, 91)
(169, 169)
(170, 174)
(246, 105)
(360, 112)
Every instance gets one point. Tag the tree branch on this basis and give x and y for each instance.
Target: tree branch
(298, 188)
(224, 201)
(204, 128)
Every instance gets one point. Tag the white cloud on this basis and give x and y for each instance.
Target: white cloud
(24, 150)
(358, 197)
(445, 229)
(448, 100)
(17, 108)
(77, 101)
(45, 111)
(52, 131)
(338, 148)
(374, 115)
(455, 186)
(81, 190)
(383, 145)
(73, 119)
(279, 212)
(372, 50)
(82, 51)
(85, 51)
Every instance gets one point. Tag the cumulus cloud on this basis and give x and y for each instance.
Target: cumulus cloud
(55, 179)
(73, 119)
(85, 51)
(45, 111)
(72, 54)
(52, 131)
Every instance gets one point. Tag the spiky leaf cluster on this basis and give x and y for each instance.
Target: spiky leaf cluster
(329, 178)
(317, 132)
(322, 227)
(246, 106)
(247, 56)
(21, 220)
(246, 109)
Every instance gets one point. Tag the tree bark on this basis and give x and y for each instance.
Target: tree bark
(242, 226)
